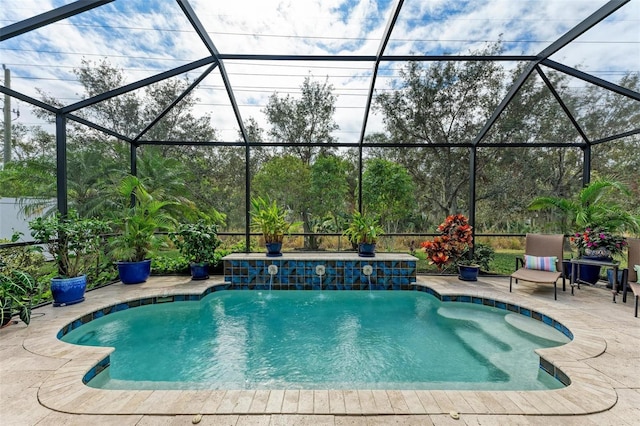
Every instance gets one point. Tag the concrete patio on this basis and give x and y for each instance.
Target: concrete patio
(40, 377)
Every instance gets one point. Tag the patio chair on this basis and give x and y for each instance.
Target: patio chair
(630, 274)
(542, 261)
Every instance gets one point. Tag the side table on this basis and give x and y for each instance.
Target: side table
(575, 273)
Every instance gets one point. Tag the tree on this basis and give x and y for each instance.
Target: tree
(304, 121)
(443, 102)
(284, 180)
(328, 196)
(314, 193)
(388, 190)
(96, 161)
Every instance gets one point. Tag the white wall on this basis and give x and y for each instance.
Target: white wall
(12, 219)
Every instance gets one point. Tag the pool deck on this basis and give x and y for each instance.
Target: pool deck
(40, 376)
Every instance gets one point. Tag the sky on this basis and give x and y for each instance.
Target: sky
(146, 37)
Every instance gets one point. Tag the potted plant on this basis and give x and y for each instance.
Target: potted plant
(267, 217)
(75, 244)
(364, 230)
(597, 244)
(592, 211)
(17, 290)
(470, 264)
(142, 218)
(197, 242)
(453, 246)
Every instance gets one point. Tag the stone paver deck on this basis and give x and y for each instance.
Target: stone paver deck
(40, 376)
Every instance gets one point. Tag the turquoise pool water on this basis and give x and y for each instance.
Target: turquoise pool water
(320, 340)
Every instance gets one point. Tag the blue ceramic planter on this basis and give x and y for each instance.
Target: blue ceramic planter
(274, 249)
(199, 271)
(68, 291)
(590, 273)
(134, 272)
(366, 250)
(468, 273)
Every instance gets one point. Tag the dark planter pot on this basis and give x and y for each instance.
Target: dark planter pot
(199, 271)
(610, 279)
(134, 272)
(590, 273)
(468, 272)
(566, 269)
(68, 291)
(274, 249)
(367, 249)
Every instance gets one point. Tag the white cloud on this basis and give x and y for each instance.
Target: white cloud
(149, 37)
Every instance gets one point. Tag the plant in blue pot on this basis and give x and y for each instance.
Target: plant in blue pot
(454, 246)
(364, 230)
(595, 220)
(140, 226)
(272, 220)
(597, 244)
(197, 242)
(75, 245)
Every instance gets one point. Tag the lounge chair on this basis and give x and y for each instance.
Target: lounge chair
(542, 262)
(630, 274)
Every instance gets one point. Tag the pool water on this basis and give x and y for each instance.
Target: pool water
(320, 340)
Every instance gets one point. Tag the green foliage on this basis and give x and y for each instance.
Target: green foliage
(504, 261)
(594, 206)
(17, 290)
(387, 190)
(73, 242)
(25, 258)
(363, 228)
(270, 219)
(241, 247)
(438, 103)
(328, 187)
(483, 255)
(304, 121)
(285, 180)
(169, 264)
(140, 223)
(197, 241)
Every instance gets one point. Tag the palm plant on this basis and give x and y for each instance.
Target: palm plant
(592, 207)
(143, 216)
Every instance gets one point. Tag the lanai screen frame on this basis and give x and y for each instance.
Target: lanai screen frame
(216, 60)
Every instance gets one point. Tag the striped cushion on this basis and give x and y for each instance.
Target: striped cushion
(540, 263)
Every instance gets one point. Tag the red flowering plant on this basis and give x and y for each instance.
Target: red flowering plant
(452, 244)
(598, 241)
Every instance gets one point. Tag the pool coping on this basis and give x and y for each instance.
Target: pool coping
(589, 391)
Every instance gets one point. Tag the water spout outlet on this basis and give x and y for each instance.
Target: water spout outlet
(272, 269)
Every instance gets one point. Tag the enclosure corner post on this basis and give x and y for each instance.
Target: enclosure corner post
(61, 163)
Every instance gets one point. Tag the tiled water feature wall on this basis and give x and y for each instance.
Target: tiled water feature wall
(320, 271)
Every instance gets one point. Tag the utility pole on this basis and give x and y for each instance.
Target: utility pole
(7, 116)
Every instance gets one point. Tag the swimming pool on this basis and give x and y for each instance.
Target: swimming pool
(320, 340)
